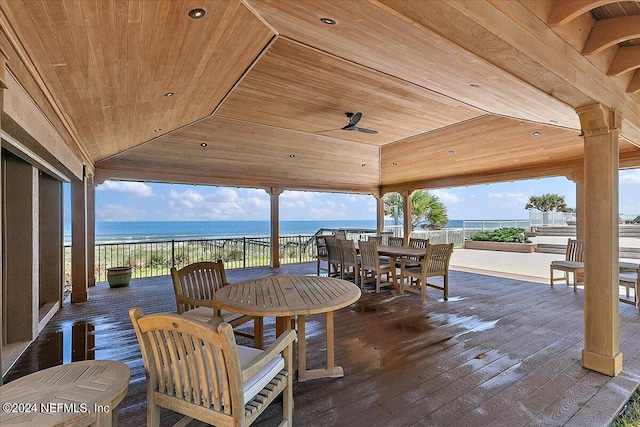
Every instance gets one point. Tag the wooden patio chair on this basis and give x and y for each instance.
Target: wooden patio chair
(629, 279)
(200, 372)
(573, 263)
(371, 266)
(335, 257)
(194, 286)
(351, 264)
(341, 234)
(435, 263)
(375, 239)
(396, 241)
(321, 252)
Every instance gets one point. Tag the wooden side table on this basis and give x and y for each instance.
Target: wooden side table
(76, 394)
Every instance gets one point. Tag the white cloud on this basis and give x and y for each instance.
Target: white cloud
(138, 189)
(515, 198)
(447, 197)
(630, 176)
(116, 212)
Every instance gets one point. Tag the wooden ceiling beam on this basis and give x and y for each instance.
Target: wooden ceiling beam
(539, 45)
(566, 10)
(111, 172)
(608, 32)
(634, 84)
(627, 58)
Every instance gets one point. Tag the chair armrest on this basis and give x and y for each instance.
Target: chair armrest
(404, 260)
(195, 301)
(269, 353)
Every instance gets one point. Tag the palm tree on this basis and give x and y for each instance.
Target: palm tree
(547, 203)
(425, 207)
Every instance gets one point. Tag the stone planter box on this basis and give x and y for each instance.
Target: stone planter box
(118, 276)
(500, 246)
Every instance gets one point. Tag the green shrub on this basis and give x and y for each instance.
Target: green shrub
(510, 234)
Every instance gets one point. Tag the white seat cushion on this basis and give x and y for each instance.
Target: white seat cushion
(257, 382)
(205, 315)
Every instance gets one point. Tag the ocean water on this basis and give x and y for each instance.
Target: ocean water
(128, 231)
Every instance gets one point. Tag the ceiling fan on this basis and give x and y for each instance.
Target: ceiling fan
(354, 118)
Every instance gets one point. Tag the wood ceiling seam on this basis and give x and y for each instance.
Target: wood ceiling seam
(264, 49)
(383, 73)
(25, 58)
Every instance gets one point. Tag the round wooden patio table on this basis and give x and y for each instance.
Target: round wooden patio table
(286, 296)
(82, 393)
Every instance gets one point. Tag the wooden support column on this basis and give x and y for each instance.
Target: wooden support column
(91, 231)
(79, 263)
(274, 193)
(600, 127)
(379, 212)
(406, 211)
(580, 208)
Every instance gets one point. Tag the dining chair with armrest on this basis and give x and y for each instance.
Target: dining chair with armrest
(194, 286)
(199, 371)
(434, 263)
(350, 260)
(335, 257)
(573, 263)
(371, 266)
(629, 279)
(321, 251)
(396, 241)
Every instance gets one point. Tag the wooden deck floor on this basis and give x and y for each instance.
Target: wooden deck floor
(500, 352)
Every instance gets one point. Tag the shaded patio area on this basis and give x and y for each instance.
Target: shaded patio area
(501, 352)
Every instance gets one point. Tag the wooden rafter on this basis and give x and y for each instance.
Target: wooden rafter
(627, 58)
(566, 10)
(634, 85)
(608, 32)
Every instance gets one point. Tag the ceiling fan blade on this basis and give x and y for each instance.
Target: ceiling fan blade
(327, 130)
(349, 127)
(365, 130)
(354, 119)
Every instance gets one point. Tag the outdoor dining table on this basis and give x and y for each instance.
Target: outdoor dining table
(286, 296)
(395, 252)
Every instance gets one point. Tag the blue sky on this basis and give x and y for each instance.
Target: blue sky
(138, 201)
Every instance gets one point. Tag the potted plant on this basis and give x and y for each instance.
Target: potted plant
(118, 276)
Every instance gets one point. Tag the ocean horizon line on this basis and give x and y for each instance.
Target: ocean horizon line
(130, 231)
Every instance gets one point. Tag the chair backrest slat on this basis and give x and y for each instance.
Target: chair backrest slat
(375, 239)
(369, 255)
(200, 280)
(396, 241)
(333, 250)
(438, 257)
(348, 249)
(575, 250)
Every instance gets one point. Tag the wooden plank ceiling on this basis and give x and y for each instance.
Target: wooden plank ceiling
(455, 89)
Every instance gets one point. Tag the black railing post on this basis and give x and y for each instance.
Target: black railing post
(299, 248)
(244, 252)
(173, 252)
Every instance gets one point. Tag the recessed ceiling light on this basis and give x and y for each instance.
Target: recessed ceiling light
(197, 13)
(328, 21)
(536, 133)
(451, 152)
(204, 144)
(157, 130)
(475, 85)
(169, 94)
(394, 164)
(363, 165)
(292, 156)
